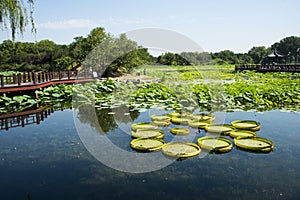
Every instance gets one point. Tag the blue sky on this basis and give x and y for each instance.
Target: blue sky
(215, 25)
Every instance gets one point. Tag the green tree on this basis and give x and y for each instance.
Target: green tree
(64, 63)
(172, 59)
(243, 58)
(82, 46)
(197, 58)
(259, 53)
(15, 14)
(226, 56)
(288, 45)
(114, 56)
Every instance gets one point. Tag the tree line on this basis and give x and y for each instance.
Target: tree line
(256, 55)
(112, 56)
(98, 51)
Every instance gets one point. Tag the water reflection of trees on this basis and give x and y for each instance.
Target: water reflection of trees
(106, 119)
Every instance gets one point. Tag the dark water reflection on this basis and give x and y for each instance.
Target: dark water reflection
(48, 161)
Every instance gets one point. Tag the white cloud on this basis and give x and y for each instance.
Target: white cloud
(66, 24)
(119, 21)
(86, 23)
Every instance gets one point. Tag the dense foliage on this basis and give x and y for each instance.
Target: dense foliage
(248, 91)
(99, 50)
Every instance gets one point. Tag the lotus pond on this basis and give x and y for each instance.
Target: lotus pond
(56, 159)
(48, 161)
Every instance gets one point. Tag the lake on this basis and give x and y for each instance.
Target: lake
(51, 161)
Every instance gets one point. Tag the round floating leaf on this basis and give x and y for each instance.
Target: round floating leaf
(198, 124)
(161, 123)
(147, 144)
(181, 149)
(147, 133)
(218, 128)
(180, 120)
(242, 133)
(246, 125)
(143, 125)
(160, 118)
(203, 117)
(216, 144)
(180, 131)
(179, 114)
(254, 144)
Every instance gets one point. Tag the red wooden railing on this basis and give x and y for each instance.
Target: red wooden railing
(33, 78)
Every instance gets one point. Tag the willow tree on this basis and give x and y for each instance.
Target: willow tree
(16, 15)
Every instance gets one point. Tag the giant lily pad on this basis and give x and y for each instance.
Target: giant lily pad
(246, 125)
(203, 117)
(179, 114)
(218, 128)
(160, 118)
(198, 124)
(161, 123)
(241, 133)
(147, 133)
(181, 149)
(254, 144)
(143, 125)
(180, 131)
(216, 144)
(147, 144)
(180, 120)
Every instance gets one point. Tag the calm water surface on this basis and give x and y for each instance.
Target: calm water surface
(49, 161)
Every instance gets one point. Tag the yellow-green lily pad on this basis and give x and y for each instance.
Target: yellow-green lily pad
(160, 118)
(246, 125)
(180, 120)
(216, 144)
(147, 133)
(143, 125)
(179, 114)
(241, 133)
(203, 117)
(198, 124)
(180, 131)
(162, 123)
(218, 128)
(254, 144)
(181, 149)
(147, 144)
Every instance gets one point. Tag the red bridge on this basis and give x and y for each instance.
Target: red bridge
(33, 81)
